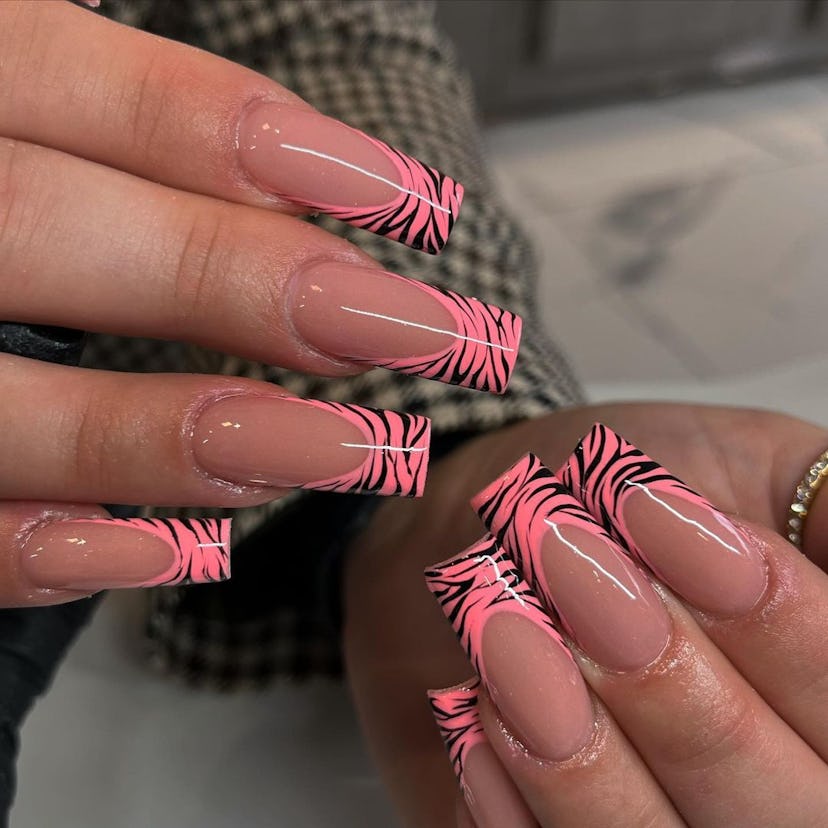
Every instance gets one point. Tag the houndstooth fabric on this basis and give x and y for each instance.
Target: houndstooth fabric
(382, 66)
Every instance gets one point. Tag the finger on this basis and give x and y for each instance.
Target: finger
(763, 604)
(229, 277)
(88, 436)
(491, 798)
(561, 753)
(53, 553)
(191, 120)
(703, 731)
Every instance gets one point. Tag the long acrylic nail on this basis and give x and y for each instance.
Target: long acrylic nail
(309, 444)
(603, 600)
(492, 797)
(372, 317)
(515, 649)
(678, 534)
(325, 165)
(112, 553)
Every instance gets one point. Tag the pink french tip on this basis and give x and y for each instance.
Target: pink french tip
(495, 498)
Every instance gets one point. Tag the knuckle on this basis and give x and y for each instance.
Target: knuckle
(203, 262)
(730, 729)
(100, 427)
(150, 100)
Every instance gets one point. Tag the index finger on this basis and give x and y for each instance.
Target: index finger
(82, 84)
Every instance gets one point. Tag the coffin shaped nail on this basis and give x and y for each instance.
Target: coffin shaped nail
(515, 649)
(373, 317)
(325, 165)
(677, 533)
(110, 553)
(601, 597)
(492, 797)
(311, 444)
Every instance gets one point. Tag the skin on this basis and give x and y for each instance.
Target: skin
(759, 760)
(156, 130)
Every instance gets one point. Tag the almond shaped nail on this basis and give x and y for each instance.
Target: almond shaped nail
(515, 649)
(111, 553)
(688, 543)
(603, 600)
(310, 444)
(370, 316)
(490, 794)
(327, 166)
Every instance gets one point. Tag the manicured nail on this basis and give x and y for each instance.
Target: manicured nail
(369, 316)
(113, 553)
(308, 444)
(515, 649)
(491, 795)
(678, 534)
(325, 165)
(603, 600)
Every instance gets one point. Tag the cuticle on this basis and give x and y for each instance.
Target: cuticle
(194, 412)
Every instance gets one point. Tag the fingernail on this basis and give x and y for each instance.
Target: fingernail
(309, 444)
(114, 553)
(678, 534)
(491, 795)
(515, 649)
(603, 600)
(372, 317)
(325, 165)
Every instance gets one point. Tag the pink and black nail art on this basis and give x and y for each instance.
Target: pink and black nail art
(524, 504)
(484, 350)
(477, 583)
(456, 713)
(201, 547)
(398, 449)
(605, 470)
(422, 213)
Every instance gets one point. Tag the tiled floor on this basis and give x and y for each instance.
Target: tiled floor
(684, 251)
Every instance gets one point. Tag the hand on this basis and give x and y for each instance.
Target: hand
(722, 726)
(150, 189)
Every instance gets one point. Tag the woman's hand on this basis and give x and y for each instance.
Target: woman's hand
(150, 189)
(700, 702)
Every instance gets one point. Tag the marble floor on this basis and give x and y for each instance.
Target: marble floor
(683, 245)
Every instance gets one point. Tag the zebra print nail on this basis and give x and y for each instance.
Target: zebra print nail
(456, 714)
(90, 554)
(398, 450)
(478, 583)
(329, 167)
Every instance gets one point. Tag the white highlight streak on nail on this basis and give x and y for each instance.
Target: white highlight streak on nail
(382, 448)
(499, 578)
(554, 527)
(425, 327)
(365, 172)
(702, 529)
(202, 545)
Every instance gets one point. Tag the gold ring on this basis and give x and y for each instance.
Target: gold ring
(803, 499)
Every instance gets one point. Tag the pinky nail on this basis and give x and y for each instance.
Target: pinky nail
(327, 166)
(112, 553)
(368, 316)
(490, 794)
(605, 602)
(688, 543)
(514, 648)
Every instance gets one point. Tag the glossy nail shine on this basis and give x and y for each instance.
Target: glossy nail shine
(707, 559)
(325, 165)
(603, 600)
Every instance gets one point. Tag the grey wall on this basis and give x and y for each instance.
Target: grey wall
(536, 55)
